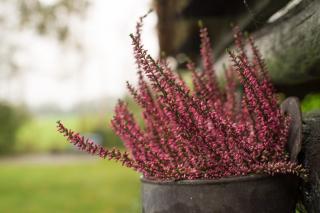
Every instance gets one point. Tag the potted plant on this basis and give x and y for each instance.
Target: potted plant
(205, 149)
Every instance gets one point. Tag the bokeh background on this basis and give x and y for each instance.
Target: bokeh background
(65, 60)
(69, 60)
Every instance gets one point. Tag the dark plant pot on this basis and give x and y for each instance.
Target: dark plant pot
(247, 194)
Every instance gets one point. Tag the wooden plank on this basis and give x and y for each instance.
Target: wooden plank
(310, 157)
(178, 21)
(291, 46)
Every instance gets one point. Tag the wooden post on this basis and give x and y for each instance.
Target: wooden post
(304, 147)
(310, 158)
(291, 46)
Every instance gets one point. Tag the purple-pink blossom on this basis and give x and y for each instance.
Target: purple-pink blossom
(207, 132)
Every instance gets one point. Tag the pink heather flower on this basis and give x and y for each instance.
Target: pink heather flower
(204, 133)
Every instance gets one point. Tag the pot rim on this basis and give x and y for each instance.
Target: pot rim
(246, 178)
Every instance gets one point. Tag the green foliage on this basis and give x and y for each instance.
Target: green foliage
(109, 138)
(48, 139)
(39, 135)
(95, 125)
(311, 102)
(11, 119)
(94, 186)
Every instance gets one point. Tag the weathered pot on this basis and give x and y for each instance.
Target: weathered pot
(247, 194)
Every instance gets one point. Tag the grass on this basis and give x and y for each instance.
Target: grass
(39, 134)
(97, 186)
(47, 139)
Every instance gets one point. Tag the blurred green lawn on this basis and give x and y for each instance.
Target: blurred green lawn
(47, 138)
(97, 186)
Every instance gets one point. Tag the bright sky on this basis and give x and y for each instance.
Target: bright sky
(53, 74)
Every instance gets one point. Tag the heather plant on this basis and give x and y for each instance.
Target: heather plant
(203, 133)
